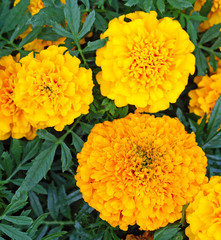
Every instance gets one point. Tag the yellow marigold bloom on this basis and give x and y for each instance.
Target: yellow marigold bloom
(214, 16)
(146, 62)
(204, 213)
(132, 170)
(203, 99)
(52, 89)
(12, 120)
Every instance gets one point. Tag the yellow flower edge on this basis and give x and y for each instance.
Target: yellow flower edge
(214, 16)
(12, 120)
(145, 62)
(140, 170)
(203, 214)
(52, 89)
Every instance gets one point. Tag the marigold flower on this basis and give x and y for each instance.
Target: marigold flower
(204, 213)
(52, 89)
(203, 99)
(214, 16)
(146, 62)
(132, 170)
(12, 120)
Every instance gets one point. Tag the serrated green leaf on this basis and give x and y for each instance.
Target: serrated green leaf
(41, 165)
(66, 157)
(6, 52)
(16, 149)
(197, 17)
(166, 233)
(52, 201)
(192, 31)
(147, 4)
(206, 8)
(31, 149)
(216, 44)
(213, 62)
(92, 46)
(160, 5)
(44, 134)
(74, 196)
(19, 220)
(21, 27)
(15, 16)
(86, 3)
(30, 37)
(131, 3)
(7, 163)
(54, 235)
(35, 204)
(77, 142)
(100, 22)
(214, 122)
(201, 62)
(214, 142)
(63, 202)
(210, 34)
(87, 24)
(179, 4)
(60, 30)
(4, 11)
(13, 233)
(72, 15)
(47, 34)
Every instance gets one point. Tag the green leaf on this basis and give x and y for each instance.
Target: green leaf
(34, 227)
(206, 8)
(13, 233)
(92, 46)
(30, 37)
(15, 16)
(100, 22)
(147, 4)
(210, 34)
(4, 10)
(86, 3)
(160, 5)
(22, 26)
(54, 235)
(213, 62)
(41, 165)
(74, 197)
(52, 201)
(47, 34)
(66, 157)
(60, 30)
(200, 130)
(131, 3)
(77, 142)
(166, 233)
(63, 202)
(35, 204)
(216, 44)
(87, 24)
(214, 122)
(31, 149)
(214, 142)
(192, 31)
(6, 52)
(19, 220)
(7, 163)
(201, 62)
(44, 134)
(72, 15)
(16, 149)
(179, 4)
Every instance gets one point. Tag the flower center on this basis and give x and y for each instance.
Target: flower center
(150, 60)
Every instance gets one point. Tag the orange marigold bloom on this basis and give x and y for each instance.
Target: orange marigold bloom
(214, 16)
(203, 99)
(132, 170)
(12, 120)
(204, 213)
(146, 62)
(52, 89)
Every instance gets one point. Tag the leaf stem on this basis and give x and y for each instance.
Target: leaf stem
(59, 222)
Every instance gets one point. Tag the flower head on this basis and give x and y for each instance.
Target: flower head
(146, 62)
(203, 99)
(52, 89)
(214, 16)
(204, 213)
(132, 170)
(12, 120)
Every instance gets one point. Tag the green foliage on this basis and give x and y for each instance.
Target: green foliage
(39, 198)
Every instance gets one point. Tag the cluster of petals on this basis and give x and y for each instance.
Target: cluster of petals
(145, 62)
(204, 97)
(132, 170)
(52, 90)
(214, 16)
(12, 120)
(204, 213)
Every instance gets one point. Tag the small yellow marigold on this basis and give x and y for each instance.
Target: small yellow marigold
(52, 89)
(203, 99)
(132, 170)
(12, 120)
(146, 62)
(204, 213)
(214, 16)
